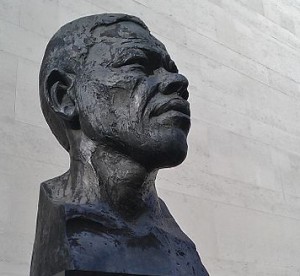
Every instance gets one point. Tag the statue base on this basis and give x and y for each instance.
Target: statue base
(95, 273)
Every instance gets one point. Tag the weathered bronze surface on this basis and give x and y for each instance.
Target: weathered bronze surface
(91, 273)
(115, 101)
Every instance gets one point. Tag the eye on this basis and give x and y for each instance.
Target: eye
(132, 59)
(143, 61)
(172, 67)
(140, 63)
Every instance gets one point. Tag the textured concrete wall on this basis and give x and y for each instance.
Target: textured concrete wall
(238, 193)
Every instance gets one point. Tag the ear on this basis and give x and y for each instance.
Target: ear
(59, 87)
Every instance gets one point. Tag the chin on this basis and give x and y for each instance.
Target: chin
(168, 149)
(175, 150)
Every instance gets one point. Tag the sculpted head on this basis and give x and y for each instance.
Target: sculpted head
(107, 77)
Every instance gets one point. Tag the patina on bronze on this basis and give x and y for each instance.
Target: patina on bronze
(115, 101)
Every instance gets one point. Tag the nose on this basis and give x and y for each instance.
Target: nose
(173, 83)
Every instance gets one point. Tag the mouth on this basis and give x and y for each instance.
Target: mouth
(179, 105)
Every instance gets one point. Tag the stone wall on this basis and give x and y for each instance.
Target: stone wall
(238, 193)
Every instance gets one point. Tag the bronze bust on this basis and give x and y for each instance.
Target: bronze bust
(115, 101)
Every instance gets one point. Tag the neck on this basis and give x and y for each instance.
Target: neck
(100, 174)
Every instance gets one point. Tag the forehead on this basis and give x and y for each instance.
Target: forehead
(122, 38)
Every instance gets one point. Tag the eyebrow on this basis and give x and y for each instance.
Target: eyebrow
(144, 50)
(132, 51)
(139, 44)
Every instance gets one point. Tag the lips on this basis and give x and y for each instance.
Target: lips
(179, 105)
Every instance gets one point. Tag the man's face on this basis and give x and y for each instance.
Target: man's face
(131, 97)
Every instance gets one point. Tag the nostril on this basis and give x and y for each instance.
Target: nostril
(173, 87)
(176, 87)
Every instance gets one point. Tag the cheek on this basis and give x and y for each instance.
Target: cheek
(144, 91)
(126, 100)
(91, 100)
(93, 108)
(112, 107)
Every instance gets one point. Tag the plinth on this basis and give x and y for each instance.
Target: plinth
(96, 273)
